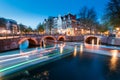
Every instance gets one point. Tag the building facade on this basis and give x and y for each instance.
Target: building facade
(8, 26)
(62, 25)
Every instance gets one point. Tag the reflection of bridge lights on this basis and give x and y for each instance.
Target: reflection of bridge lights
(44, 45)
(98, 41)
(81, 49)
(75, 51)
(117, 29)
(61, 48)
(64, 44)
(114, 53)
(113, 61)
(93, 42)
(55, 45)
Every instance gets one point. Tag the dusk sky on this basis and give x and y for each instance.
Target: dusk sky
(32, 12)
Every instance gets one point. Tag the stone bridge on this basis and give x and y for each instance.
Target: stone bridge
(39, 39)
(35, 40)
(88, 39)
(106, 40)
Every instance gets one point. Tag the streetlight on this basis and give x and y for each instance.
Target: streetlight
(117, 29)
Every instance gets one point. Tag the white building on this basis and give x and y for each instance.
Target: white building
(10, 27)
(62, 25)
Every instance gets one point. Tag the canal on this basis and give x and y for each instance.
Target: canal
(83, 62)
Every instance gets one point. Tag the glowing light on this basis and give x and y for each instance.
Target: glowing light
(61, 48)
(76, 29)
(17, 65)
(44, 45)
(64, 44)
(117, 29)
(81, 49)
(12, 67)
(12, 58)
(93, 42)
(75, 51)
(5, 31)
(98, 41)
(113, 61)
(23, 63)
(55, 45)
(82, 31)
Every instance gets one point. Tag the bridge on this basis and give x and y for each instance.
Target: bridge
(88, 39)
(39, 40)
(35, 40)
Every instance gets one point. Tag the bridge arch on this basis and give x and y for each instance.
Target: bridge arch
(61, 38)
(47, 38)
(89, 39)
(31, 41)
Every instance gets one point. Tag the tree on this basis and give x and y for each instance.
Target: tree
(22, 28)
(40, 28)
(3, 22)
(112, 15)
(29, 29)
(87, 18)
(102, 28)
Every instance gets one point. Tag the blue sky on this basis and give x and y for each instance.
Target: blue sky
(32, 12)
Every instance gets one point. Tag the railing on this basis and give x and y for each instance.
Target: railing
(8, 36)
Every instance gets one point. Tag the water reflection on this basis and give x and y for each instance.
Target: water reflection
(55, 45)
(113, 60)
(40, 46)
(35, 51)
(75, 51)
(81, 49)
(24, 45)
(98, 41)
(93, 42)
(62, 45)
(24, 54)
(44, 45)
(61, 48)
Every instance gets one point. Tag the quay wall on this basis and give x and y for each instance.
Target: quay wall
(8, 44)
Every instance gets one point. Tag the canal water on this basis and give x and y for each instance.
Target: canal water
(80, 65)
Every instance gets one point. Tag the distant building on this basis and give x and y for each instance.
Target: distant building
(13, 26)
(10, 26)
(46, 26)
(62, 25)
